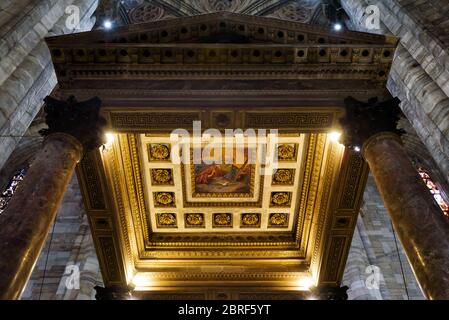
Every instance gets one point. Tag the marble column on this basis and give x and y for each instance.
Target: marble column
(417, 219)
(73, 128)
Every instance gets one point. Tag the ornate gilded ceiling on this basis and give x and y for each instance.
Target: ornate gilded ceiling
(233, 196)
(160, 224)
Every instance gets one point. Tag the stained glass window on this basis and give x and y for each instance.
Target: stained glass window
(11, 188)
(434, 190)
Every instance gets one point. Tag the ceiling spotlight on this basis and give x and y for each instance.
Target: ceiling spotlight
(140, 280)
(357, 149)
(334, 136)
(306, 282)
(338, 27)
(110, 138)
(107, 24)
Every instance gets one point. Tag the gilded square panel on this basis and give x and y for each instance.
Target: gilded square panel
(280, 199)
(159, 151)
(250, 220)
(164, 199)
(283, 177)
(166, 220)
(278, 220)
(161, 176)
(222, 220)
(287, 151)
(194, 220)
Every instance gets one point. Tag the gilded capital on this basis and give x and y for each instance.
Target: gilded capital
(81, 120)
(366, 119)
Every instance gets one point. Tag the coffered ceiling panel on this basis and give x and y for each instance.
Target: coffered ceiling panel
(233, 195)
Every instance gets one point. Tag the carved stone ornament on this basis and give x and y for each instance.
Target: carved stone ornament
(300, 10)
(81, 120)
(146, 13)
(365, 119)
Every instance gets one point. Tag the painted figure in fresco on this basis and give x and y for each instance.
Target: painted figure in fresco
(223, 178)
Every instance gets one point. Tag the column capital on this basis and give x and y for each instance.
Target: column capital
(112, 293)
(81, 120)
(330, 292)
(366, 119)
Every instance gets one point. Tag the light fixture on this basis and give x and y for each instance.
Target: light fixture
(357, 149)
(141, 280)
(338, 26)
(107, 24)
(334, 136)
(138, 280)
(306, 282)
(109, 138)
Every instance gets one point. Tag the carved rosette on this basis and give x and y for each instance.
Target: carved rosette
(286, 152)
(222, 220)
(194, 220)
(166, 220)
(162, 176)
(280, 199)
(164, 199)
(146, 13)
(366, 119)
(278, 220)
(80, 120)
(159, 152)
(284, 176)
(250, 220)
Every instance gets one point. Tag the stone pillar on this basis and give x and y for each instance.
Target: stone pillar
(420, 224)
(74, 128)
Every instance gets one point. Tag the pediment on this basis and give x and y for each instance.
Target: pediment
(223, 25)
(220, 46)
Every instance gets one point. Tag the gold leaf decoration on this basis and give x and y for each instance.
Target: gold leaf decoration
(278, 220)
(221, 220)
(287, 152)
(161, 176)
(250, 220)
(164, 199)
(280, 199)
(194, 220)
(159, 152)
(166, 220)
(284, 176)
